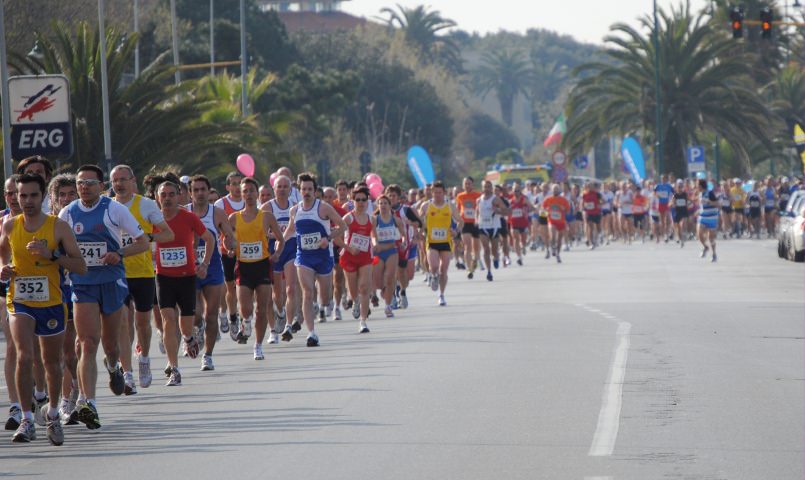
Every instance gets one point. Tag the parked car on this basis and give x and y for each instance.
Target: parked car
(791, 239)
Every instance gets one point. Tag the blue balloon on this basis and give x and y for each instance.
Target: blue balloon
(420, 165)
(633, 158)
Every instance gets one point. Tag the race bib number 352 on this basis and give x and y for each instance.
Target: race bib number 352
(31, 289)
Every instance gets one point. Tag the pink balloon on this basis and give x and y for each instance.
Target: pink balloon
(372, 178)
(376, 189)
(272, 178)
(245, 164)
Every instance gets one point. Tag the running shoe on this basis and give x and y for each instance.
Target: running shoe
(403, 301)
(547, 254)
(442, 303)
(558, 259)
(258, 352)
(191, 347)
(356, 311)
(222, 323)
(704, 252)
(496, 263)
(389, 312)
(322, 316)
(160, 343)
(520, 262)
(206, 363)
(175, 378)
(168, 370)
(434, 282)
(375, 301)
(198, 332)
(363, 328)
(296, 326)
(287, 336)
(714, 258)
(312, 340)
(349, 304)
(55, 431)
(281, 315)
(489, 275)
(507, 261)
(128, 384)
(315, 308)
(234, 331)
(144, 372)
(345, 303)
(329, 309)
(273, 338)
(88, 415)
(247, 327)
(67, 412)
(116, 382)
(394, 303)
(469, 275)
(14, 418)
(39, 417)
(26, 432)
(337, 314)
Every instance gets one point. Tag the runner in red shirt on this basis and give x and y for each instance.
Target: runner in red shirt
(356, 259)
(176, 276)
(520, 208)
(557, 207)
(591, 202)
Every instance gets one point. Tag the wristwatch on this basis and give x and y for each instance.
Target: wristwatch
(120, 252)
(55, 255)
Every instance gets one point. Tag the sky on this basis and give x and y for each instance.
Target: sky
(586, 20)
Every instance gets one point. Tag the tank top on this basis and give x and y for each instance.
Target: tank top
(518, 217)
(707, 207)
(360, 237)
(283, 216)
(95, 241)
(386, 231)
(252, 241)
(770, 197)
(229, 209)
(310, 229)
(36, 280)
(142, 264)
(486, 211)
(437, 221)
(208, 219)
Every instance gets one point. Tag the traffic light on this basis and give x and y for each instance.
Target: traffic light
(737, 19)
(766, 18)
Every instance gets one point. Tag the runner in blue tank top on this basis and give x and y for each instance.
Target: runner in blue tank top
(310, 223)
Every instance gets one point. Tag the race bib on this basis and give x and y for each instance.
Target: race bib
(681, 202)
(469, 213)
(438, 234)
(173, 257)
(127, 240)
(310, 241)
(487, 222)
(517, 212)
(31, 289)
(662, 194)
(589, 205)
(283, 225)
(93, 252)
(754, 204)
(361, 242)
(387, 234)
(556, 215)
(200, 251)
(251, 251)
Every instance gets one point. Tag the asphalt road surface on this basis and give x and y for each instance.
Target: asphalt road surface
(627, 362)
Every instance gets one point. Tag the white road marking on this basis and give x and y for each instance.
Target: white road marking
(598, 478)
(606, 433)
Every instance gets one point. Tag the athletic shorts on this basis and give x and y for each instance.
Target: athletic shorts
(726, 209)
(655, 218)
(49, 320)
(543, 220)
(520, 229)
(229, 267)
(440, 247)
(504, 229)
(321, 265)
(606, 212)
(638, 219)
(181, 291)
(561, 226)
(754, 212)
(109, 296)
(769, 210)
(288, 255)
(570, 218)
(413, 252)
(386, 254)
(679, 214)
(596, 219)
(67, 292)
(709, 222)
(253, 274)
(579, 216)
(627, 215)
(351, 263)
(471, 229)
(215, 276)
(143, 292)
(662, 207)
(3, 289)
(490, 232)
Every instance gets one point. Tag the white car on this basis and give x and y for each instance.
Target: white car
(791, 239)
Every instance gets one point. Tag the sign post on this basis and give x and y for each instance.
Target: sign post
(40, 116)
(696, 160)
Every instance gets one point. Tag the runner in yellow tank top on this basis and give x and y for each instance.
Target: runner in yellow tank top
(34, 299)
(439, 216)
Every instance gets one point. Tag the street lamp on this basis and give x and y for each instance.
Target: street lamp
(36, 52)
(658, 107)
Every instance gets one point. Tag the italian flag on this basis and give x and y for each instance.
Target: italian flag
(559, 129)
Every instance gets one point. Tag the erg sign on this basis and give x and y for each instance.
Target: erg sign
(40, 116)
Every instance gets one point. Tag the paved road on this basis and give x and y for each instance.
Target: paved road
(639, 362)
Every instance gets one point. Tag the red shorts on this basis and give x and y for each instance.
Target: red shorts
(561, 226)
(663, 207)
(351, 263)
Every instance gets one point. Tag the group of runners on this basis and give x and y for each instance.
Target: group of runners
(87, 261)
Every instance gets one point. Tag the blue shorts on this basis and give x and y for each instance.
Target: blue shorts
(386, 254)
(413, 253)
(49, 320)
(67, 292)
(322, 265)
(709, 222)
(288, 255)
(109, 296)
(215, 275)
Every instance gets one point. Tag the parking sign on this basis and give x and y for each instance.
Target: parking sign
(696, 162)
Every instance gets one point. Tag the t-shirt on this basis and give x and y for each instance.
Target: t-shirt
(177, 258)
(557, 207)
(466, 201)
(591, 201)
(149, 210)
(664, 192)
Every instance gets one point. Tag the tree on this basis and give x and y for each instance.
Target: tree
(421, 28)
(488, 136)
(508, 73)
(152, 121)
(705, 88)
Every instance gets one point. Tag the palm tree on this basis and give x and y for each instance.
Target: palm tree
(152, 120)
(421, 28)
(508, 73)
(704, 89)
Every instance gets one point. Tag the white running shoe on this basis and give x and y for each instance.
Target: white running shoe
(206, 363)
(403, 301)
(434, 283)
(389, 312)
(160, 343)
(258, 352)
(144, 372)
(329, 309)
(247, 327)
(363, 328)
(273, 338)
(337, 313)
(442, 303)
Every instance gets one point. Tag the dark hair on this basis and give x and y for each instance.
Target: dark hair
(439, 184)
(703, 183)
(25, 162)
(170, 184)
(250, 181)
(152, 183)
(394, 188)
(307, 177)
(358, 190)
(59, 181)
(232, 174)
(466, 178)
(88, 167)
(31, 178)
(341, 182)
(201, 178)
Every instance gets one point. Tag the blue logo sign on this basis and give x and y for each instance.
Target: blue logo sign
(581, 162)
(696, 161)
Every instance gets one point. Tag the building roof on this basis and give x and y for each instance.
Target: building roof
(320, 22)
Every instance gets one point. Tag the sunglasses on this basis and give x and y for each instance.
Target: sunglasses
(88, 182)
(362, 199)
